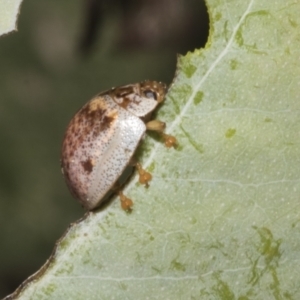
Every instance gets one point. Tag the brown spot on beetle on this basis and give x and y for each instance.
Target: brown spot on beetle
(108, 119)
(123, 96)
(88, 165)
(122, 92)
(125, 102)
(92, 118)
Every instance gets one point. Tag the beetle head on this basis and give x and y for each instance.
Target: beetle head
(141, 98)
(153, 89)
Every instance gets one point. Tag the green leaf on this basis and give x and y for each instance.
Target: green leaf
(221, 217)
(9, 10)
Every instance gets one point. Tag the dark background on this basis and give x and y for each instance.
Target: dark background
(64, 53)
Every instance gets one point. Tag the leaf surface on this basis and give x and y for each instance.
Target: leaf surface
(9, 10)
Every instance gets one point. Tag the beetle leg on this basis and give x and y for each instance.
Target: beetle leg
(144, 176)
(170, 140)
(126, 203)
(158, 126)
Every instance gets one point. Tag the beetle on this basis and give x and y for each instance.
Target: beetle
(100, 141)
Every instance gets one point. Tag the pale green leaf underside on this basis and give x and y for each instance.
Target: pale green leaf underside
(9, 10)
(221, 218)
